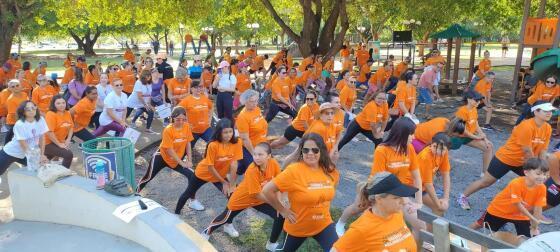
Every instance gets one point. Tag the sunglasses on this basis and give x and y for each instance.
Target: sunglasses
(307, 150)
(551, 82)
(282, 72)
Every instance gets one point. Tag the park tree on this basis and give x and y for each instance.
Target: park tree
(319, 33)
(14, 13)
(373, 16)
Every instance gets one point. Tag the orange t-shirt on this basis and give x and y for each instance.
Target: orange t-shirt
(243, 82)
(42, 97)
(281, 87)
(198, 112)
(310, 192)
(362, 57)
(427, 130)
(219, 155)
(327, 131)
(434, 60)
(60, 124)
(91, 79)
(341, 84)
(129, 56)
(348, 97)
(517, 191)
(3, 77)
(338, 120)
(178, 88)
(305, 115)
(470, 117)
(83, 66)
(16, 65)
(380, 76)
(251, 53)
(29, 76)
(67, 63)
(344, 52)
(405, 93)
(372, 113)
(429, 164)
(364, 70)
(176, 139)
(483, 87)
(254, 124)
(346, 65)
(304, 63)
(484, 65)
(26, 86)
(329, 65)
(258, 62)
(83, 111)
(245, 195)
(543, 93)
(527, 133)
(128, 79)
(12, 103)
(385, 158)
(68, 75)
(400, 69)
(4, 94)
(371, 232)
(206, 79)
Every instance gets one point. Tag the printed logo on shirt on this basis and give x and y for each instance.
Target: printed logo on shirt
(538, 140)
(257, 119)
(179, 140)
(200, 107)
(319, 185)
(399, 164)
(396, 237)
(65, 125)
(46, 96)
(553, 189)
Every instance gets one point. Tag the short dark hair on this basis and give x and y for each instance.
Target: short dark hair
(399, 133)
(52, 107)
(87, 91)
(78, 74)
(456, 125)
(21, 111)
(441, 139)
(535, 164)
(26, 65)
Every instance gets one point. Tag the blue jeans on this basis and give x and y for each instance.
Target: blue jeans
(275, 108)
(425, 96)
(139, 112)
(224, 105)
(244, 163)
(206, 136)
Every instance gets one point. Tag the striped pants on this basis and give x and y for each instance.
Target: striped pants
(156, 165)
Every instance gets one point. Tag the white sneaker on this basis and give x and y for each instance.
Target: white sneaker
(230, 230)
(195, 204)
(205, 236)
(271, 246)
(4, 129)
(340, 228)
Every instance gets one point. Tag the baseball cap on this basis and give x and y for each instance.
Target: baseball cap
(392, 185)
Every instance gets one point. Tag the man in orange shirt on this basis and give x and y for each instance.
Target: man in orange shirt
(16, 64)
(484, 87)
(81, 63)
(251, 52)
(365, 72)
(379, 80)
(344, 52)
(362, 55)
(401, 67)
(127, 76)
(483, 67)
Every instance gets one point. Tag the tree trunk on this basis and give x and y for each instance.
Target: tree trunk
(12, 14)
(86, 42)
(165, 35)
(424, 40)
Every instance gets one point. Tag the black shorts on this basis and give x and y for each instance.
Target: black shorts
(552, 192)
(498, 169)
(522, 227)
(481, 105)
(291, 133)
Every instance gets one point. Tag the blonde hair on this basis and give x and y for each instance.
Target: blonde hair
(365, 199)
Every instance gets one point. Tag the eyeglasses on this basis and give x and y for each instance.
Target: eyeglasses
(307, 150)
(41, 80)
(32, 108)
(353, 82)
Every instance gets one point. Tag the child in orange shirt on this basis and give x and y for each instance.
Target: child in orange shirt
(248, 195)
(61, 129)
(434, 159)
(43, 94)
(218, 167)
(83, 113)
(520, 203)
(13, 101)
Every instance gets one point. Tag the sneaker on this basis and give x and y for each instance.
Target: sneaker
(150, 131)
(464, 202)
(271, 246)
(195, 205)
(205, 236)
(488, 127)
(4, 129)
(340, 228)
(230, 230)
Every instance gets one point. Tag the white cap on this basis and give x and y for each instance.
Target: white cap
(545, 106)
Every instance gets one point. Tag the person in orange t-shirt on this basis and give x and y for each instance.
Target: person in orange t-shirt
(379, 80)
(310, 184)
(248, 195)
(324, 126)
(381, 227)
(397, 156)
(128, 77)
(26, 85)
(68, 75)
(405, 93)
(83, 112)
(484, 66)
(15, 63)
(427, 130)
(528, 139)
(401, 68)
(304, 118)
(92, 76)
(3, 110)
(306, 61)
(43, 94)
(68, 61)
(548, 92)
(61, 128)
(178, 88)
(174, 150)
(348, 96)
(206, 79)
(218, 167)
(432, 159)
(252, 128)
(4, 72)
(345, 79)
(344, 52)
(13, 101)
(199, 110)
(346, 64)
(520, 202)
(243, 83)
(365, 71)
(280, 96)
(329, 65)
(362, 55)
(129, 56)
(484, 87)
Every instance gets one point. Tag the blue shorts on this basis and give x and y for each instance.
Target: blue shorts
(425, 96)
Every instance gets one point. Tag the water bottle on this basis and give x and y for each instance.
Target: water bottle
(33, 157)
(100, 174)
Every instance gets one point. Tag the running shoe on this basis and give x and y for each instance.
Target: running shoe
(339, 227)
(464, 202)
(488, 127)
(150, 131)
(195, 204)
(230, 230)
(271, 246)
(205, 236)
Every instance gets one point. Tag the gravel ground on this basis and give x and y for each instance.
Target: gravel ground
(354, 165)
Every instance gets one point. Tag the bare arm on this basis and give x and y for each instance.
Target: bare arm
(269, 193)
(402, 107)
(246, 141)
(418, 184)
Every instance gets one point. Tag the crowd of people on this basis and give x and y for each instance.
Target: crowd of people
(41, 114)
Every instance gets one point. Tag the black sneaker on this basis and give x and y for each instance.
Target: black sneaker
(488, 127)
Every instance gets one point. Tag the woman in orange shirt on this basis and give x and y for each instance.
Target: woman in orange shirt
(310, 183)
(301, 123)
(26, 84)
(174, 150)
(43, 94)
(61, 128)
(548, 92)
(128, 77)
(280, 96)
(397, 156)
(370, 122)
(199, 111)
(68, 61)
(434, 159)
(92, 76)
(345, 74)
(15, 99)
(252, 128)
(324, 126)
(248, 195)
(243, 83)
(382, 226)
(427, 130)
(218, 167)
(178, 88)
(83, 113)
(348, 96)
(528, 139)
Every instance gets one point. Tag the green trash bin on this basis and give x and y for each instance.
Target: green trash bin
(116, 153)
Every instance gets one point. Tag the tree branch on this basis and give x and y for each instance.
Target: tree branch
(337, 44)
(280, 22)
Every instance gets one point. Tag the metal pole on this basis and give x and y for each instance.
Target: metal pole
(515, 81)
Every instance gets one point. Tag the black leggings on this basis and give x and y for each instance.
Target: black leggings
(226, 217)
(353, 130)
(52, 150)
(325, 238)
(522, 227)
(84, 135)
(6, 160)
(194, 184)
(275, 108)
(156, 165)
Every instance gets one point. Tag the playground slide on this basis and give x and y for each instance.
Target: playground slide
(547, 63)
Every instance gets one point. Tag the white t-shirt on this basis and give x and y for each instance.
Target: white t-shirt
(227, 81)
(102, 92)
(118, 104)
(146, 90)
(31, 132)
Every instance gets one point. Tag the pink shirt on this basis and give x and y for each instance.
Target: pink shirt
(428, 78)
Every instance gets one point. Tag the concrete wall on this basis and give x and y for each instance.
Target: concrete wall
(75, 201)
